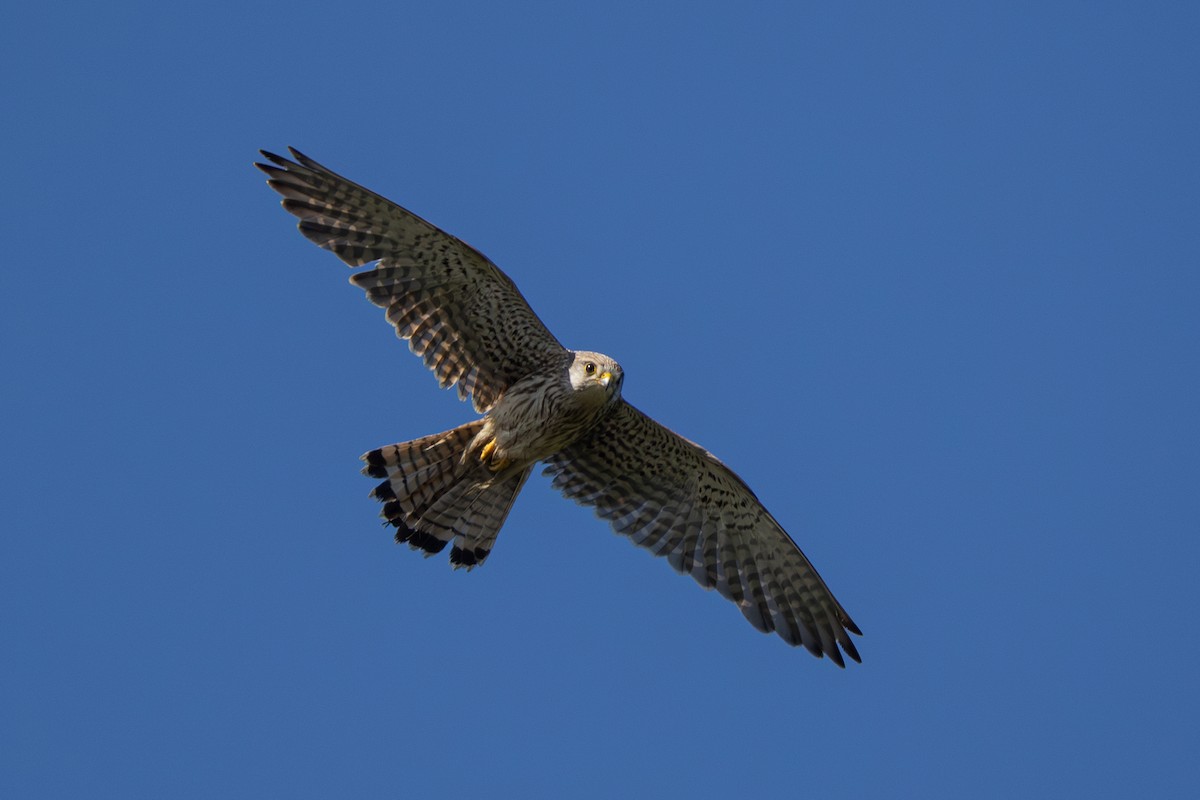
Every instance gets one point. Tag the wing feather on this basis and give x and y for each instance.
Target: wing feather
(458, 311)
(677, 500)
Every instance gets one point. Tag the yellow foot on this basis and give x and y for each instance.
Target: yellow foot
(485, 456)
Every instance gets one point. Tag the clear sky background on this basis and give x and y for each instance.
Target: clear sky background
(925, 274)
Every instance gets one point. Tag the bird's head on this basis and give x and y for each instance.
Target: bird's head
(596, 372)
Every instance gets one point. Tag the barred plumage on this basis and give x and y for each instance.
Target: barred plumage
(431, 496)
(677, 500)
(460, 313)
(469, 323)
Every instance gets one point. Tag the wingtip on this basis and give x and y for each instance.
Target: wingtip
(304, 160)
(274, 158)
(835, 656)
(846, 643)
(297, 159)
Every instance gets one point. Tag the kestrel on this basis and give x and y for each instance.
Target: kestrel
(544, 403)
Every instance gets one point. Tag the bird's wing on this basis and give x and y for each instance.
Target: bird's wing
(457, 310)
(677, 500)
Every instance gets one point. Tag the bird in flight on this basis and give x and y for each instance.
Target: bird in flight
(544, 403)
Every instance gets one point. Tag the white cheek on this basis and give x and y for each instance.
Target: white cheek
(587, 389)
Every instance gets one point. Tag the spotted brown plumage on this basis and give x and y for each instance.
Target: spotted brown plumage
(544, 403)
(677, 500)
(457, 310)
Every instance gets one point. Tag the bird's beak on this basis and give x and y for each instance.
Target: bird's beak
(605, 379)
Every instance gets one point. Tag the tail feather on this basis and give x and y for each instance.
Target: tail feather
(475, 517)
(432, 497)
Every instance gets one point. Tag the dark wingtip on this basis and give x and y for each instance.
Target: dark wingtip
(301, 160)
(278, 165)
(275, 158)
(835, 655)
(305, 161)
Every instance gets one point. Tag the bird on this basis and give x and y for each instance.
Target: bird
(543, 403)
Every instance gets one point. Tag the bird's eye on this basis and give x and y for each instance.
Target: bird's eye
(589, 368)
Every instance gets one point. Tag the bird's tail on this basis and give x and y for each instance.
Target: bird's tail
(431, 494)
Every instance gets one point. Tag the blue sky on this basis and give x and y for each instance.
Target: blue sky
(924, 274)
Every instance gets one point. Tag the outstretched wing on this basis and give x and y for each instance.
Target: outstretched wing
(457, 310)
(677, 500)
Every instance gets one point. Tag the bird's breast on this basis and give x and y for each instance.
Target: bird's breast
(539, 416)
